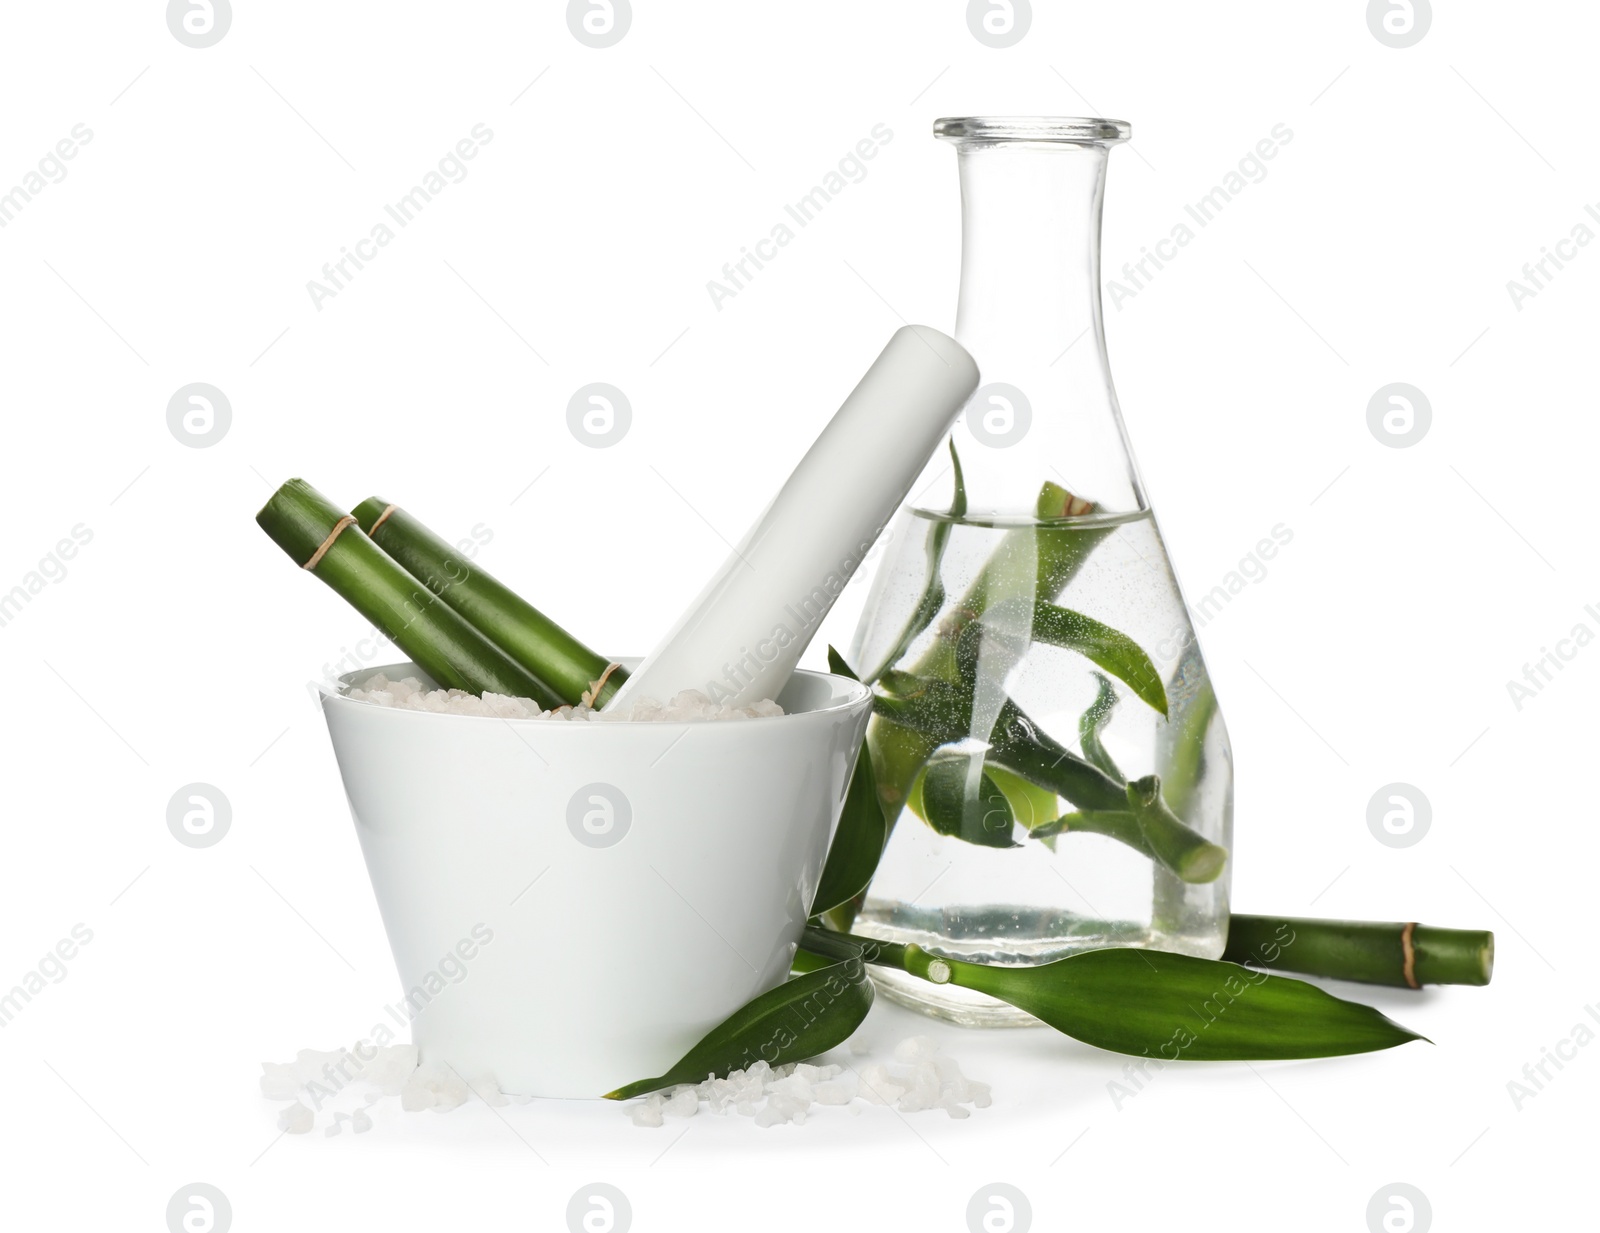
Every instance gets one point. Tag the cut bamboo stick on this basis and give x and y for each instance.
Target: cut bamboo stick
(320, 537)
(568, 669)
(1400, 953)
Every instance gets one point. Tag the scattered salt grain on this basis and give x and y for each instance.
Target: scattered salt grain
(343, 1085)
(919, 1079)
(389, 1070)
(880, 1087)
(792, 1086)
(781, 1109)
(690, 706)
(316, 1072)
(916, 1049)
(923, 1079)
(840, 1091)
(435, 1087)
(286, 1080)
(685, 1102)
(923, 1092)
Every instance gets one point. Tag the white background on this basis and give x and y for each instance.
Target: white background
(1377, 649)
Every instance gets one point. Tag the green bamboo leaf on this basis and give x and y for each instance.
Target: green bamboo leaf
(933, 596)
(1092, 721)
(1150, 1003)
(863, 828)
(1108, 648)
(1179, 1008)
(805, 961)
(898, 756)
(862, 831)
(857, 841)
(837, 665)
(1032, 805)
(799, 1019)
(1180, 753)
(960, 799)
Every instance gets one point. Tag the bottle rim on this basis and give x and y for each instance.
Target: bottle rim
(1067, 130)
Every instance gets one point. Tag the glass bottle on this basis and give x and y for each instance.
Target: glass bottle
(1048, 747)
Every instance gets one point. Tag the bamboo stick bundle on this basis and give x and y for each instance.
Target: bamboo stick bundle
(321, 538)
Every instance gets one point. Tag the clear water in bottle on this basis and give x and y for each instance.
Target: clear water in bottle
(1058, 627)
(1049, 749)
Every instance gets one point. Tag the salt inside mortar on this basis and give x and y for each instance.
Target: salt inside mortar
(689, 706)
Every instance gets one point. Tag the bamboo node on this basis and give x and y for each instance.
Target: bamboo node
(593, 692)
(1409, 951)
(389, 509)
(322, 549)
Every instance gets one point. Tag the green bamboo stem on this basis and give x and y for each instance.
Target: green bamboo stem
(1375, 952)
(1017, 744)
(1147, 826)
(931, 598)
(900, 756)
(910, 958)
(1030, 753)
(944, 712)
(436, 637)
(1186, 757)
(1366, 951)
(1187, 853)
(1120, 825)
(934, 700)
(545, 650)
(1053, 553)
(1176, 847)
(842, 947)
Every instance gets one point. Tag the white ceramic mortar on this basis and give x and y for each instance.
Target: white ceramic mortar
(571, 906)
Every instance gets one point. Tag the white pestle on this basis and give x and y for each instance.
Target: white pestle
(742, 637)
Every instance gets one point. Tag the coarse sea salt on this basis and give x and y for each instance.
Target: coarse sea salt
(343, 1085)
(924, 1079)
(691, 706)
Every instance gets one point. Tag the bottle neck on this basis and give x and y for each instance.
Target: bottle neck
(1030, 315)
